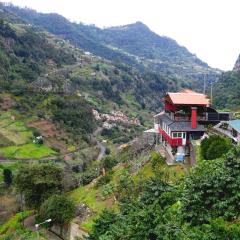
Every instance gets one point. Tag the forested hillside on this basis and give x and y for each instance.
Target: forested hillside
(203, 205)
(227, 89)
(133, 44)
(51, 64)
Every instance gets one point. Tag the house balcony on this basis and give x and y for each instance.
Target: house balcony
(174, 142)
(188, 118)
(208, 116)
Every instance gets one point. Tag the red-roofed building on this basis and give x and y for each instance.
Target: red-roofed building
(185, 115)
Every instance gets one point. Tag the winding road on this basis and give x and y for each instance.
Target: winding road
(100, 145)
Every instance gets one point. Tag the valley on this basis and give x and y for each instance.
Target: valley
(105, 132)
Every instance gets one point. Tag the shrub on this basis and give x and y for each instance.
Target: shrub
(58, 208)
(214, 147)
(104, 180)
(108, 163)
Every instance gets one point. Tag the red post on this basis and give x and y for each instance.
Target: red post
(194, 117)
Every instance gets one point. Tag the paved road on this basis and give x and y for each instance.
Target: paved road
(102, 150)
(100, 145)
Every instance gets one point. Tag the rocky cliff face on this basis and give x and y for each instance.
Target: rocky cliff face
(237, 65)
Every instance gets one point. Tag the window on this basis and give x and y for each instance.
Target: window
(174, 135)
(179, 135)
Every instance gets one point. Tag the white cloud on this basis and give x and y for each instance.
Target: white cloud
(208, 28)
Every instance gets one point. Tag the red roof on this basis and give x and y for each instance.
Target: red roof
(188, 97)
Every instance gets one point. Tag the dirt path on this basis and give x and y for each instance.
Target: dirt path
(75, 232)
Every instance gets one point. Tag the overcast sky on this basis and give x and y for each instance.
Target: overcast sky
(208, 28)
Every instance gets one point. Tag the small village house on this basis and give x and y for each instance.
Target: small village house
(183, 120)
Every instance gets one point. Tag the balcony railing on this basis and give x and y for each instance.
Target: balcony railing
(188, 118)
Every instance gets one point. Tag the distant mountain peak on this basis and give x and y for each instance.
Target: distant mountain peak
(132, 26)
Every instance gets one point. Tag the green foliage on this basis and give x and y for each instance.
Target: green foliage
(145, 80)
(26, 57)
(91, 172)
(14, 223)
(226, 91)
(108, 162)
(74, 113)
(101, 225)
(204, 206)
(27, 151)
(216, 229)
(138, 217)
(58, 208)
(215, 146)
(12, 130)
(38, 181)
(210, 191)
(108, 189)
(156, 162)
(103, 180)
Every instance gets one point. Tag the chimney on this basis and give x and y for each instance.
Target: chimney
(194, 117)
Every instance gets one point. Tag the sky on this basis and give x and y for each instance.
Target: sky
(208, 28)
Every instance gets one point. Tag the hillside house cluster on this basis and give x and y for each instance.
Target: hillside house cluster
(185, 116)
(114, 117)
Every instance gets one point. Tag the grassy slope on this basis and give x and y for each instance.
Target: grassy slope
(14, 230)
(29, 150)
(92, 195)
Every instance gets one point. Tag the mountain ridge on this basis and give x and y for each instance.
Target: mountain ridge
(137, 45)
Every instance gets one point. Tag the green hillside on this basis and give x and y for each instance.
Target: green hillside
(133, 44)
(226, 91)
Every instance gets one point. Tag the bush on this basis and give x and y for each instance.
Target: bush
(58, 208)
(214, 147)
(104, 180)
(108, 163)
(156, 161)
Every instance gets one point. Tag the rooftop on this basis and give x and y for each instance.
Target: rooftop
(188, 97)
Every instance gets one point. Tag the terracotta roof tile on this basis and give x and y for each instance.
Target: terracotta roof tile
(190, 97)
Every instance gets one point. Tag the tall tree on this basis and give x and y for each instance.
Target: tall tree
(39, 181)
(58, 208)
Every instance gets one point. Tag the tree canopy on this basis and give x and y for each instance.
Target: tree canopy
(58, 208)
(205, 205)
(38, 181)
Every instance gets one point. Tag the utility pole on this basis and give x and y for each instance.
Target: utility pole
(211, 93)
(204, 84)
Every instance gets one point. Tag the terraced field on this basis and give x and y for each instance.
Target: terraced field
(28, 151)
(16, 139)
(13, 132)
